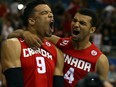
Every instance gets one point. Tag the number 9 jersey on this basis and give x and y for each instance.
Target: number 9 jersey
(38, 65)
(77, 63)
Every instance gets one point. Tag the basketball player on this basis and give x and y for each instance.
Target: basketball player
(25, 67)
(81, 55)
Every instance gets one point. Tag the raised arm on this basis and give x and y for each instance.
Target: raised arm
(32, 40)
(54, 39)
(58, 74)
(102, 67)
(10, 60)
(16, 34)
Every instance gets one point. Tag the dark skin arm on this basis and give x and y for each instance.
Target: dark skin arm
(32, 40)
(10, 59)
(17, 33)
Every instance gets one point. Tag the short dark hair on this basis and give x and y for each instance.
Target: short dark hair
(91, 13)
(30, 8)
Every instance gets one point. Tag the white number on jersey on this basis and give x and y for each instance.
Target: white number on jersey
(41, 65)
(69, 75)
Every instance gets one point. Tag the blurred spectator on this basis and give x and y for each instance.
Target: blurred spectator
(14, 7)
(58, 10)
(17, 21)
(113, 35)
(96, 4)
(0, 27)
(6, 29)
(112, 74)
(109, 1)
(109, 8)
(106, 42)
(97, 38)
(73, 7)
(66, 24)
(3, 9)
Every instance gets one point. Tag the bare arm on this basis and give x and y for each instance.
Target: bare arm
(16, 34)
(58, 80)
(10, 54)
(10, 60)
(32, 40)
(102, 67)
(59, 64)
(54, 39)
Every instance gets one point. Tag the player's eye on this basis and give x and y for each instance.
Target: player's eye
(44, 12)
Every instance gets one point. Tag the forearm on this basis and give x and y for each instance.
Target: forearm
(14, 77)
(16, 34)
(54, 39)
(58, 74)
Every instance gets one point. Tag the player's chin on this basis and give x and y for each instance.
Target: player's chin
(75, 39)
(74, 36)
(49, 34)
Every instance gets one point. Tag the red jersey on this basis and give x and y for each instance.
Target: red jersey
(77, 63)
(38, 65)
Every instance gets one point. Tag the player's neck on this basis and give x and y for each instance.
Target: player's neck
(81, 45)
(32, 30)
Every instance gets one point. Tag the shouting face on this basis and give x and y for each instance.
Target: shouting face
(43, 20)
(81, 27)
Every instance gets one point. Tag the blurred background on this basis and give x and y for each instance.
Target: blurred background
(64, 10)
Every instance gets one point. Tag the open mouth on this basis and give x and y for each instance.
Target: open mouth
(51, 24)
(76, 32)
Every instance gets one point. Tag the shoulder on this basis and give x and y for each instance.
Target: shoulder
(12, 43)
(102, 67)
(103, 58)
(96, 49)
(103, 61)
(10, 51)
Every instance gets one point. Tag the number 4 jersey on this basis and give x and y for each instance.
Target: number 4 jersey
(77, 63)
(38, 65)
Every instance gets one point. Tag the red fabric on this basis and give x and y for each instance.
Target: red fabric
(73, 9)
(38, 66)
(77, 62)
(3, 10)
(67, 26)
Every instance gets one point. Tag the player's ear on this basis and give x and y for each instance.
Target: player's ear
(31, 21)
(92, 30)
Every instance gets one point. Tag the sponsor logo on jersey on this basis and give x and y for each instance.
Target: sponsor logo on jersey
(93, 53)
(78, 63)
(29, 52)
(22, 40)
